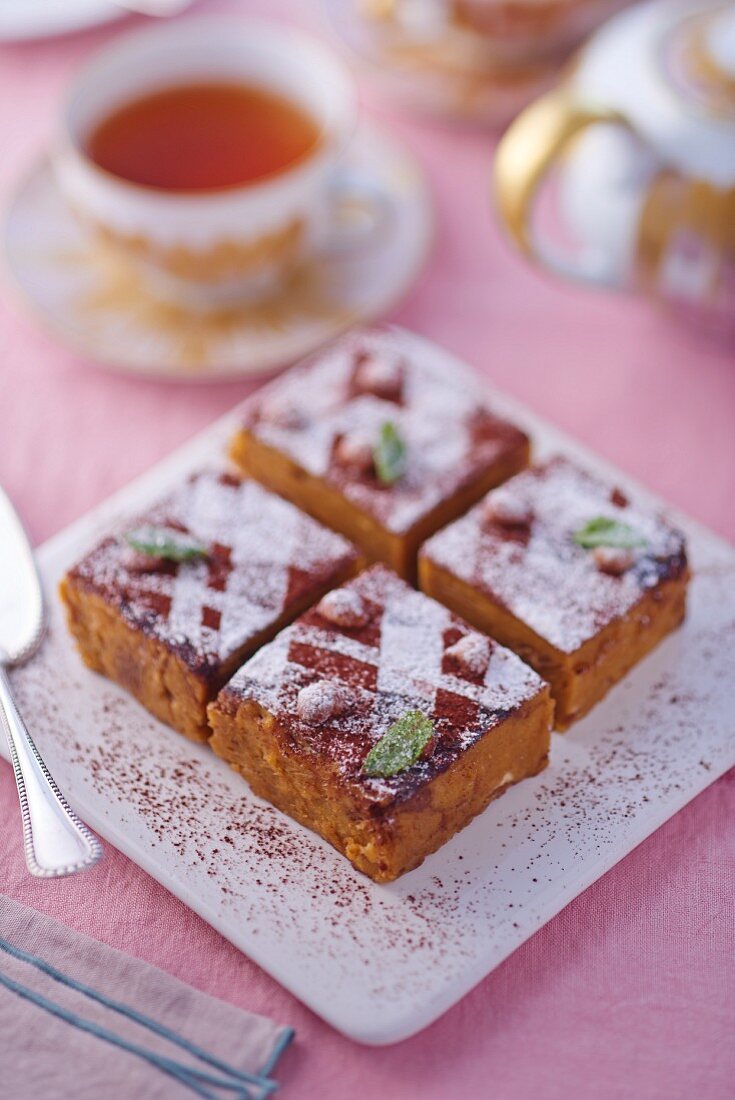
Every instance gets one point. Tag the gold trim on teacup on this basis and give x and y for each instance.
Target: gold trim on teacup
(223, 260)
(691, 70)
(518, 17)
(436, 58)
(379, 10)
(485, 20)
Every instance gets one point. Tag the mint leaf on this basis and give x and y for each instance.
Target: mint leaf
(164, 542)
(400, 747)
(389, 454)
(602, 531)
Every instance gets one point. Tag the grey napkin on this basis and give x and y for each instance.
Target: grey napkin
(81, 1021)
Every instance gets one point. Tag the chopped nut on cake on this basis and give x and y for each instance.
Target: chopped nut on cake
(387, 736)
(173, 602)
(394, 440)
(568, 572)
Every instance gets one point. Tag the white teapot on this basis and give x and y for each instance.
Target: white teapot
(642, 134)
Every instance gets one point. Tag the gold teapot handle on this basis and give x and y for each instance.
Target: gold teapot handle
(527, 151)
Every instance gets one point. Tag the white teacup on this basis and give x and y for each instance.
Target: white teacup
(213, 248)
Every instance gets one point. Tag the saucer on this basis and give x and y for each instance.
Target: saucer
(90, 299)
(22, 20)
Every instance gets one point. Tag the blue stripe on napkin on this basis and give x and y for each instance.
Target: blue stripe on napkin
(233, 1082)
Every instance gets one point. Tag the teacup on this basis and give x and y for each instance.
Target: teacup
(213, 248)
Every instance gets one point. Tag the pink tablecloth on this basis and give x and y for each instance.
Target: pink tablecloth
(630, 992)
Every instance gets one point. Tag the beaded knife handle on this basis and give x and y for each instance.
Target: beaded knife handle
(56, 842)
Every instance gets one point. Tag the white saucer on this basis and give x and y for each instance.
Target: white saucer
(22, 20)
(90, 300)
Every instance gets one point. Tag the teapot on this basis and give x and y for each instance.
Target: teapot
(639, 140)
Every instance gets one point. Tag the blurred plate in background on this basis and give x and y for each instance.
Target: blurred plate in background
(469, 61)
(28, 19)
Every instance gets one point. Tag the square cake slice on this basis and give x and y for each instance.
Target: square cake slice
(172, 603)
(382, 722)
(383, 437)
(563, 568)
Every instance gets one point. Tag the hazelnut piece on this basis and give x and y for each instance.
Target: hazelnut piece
(322, 700)
(381, 375)
(343, 607)
(507, 509)
(613, 560)
(471, 654)
(354, 450)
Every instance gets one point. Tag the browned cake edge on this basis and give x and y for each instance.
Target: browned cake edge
(151, 671)
(580, 679)
(327, 504)
(382, 844)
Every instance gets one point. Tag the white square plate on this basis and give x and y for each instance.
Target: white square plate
(381, 962)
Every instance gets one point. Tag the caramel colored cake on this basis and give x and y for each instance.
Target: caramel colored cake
(173, 603)
(382, 722)
(565, 570)
(382, 437)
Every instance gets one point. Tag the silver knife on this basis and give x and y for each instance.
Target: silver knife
(56, 841)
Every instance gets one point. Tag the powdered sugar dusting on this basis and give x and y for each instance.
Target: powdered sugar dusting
(471, 654)
(395, 663)
(507, 508)
(542, 576)
(263, 556)
(343, 607)
(355, 449)
(380, 962)
(614, 560)
(317, 703)
(381, 374)
(442, 415)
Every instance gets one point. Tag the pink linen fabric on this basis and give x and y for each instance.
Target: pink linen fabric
(630, 991)
(63, 1002)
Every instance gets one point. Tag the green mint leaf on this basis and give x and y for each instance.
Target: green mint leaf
(400, 747)
(389, 454)
(602, 531)
(164, 542)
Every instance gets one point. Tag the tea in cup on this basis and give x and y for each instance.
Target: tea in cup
(207, 152)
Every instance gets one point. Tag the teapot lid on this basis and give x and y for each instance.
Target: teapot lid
(669, 68)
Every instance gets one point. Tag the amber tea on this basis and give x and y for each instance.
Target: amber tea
(200, 137)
